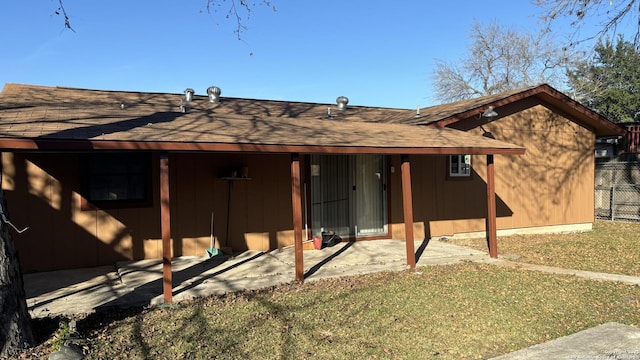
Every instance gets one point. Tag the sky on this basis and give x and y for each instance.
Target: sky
(377, 53)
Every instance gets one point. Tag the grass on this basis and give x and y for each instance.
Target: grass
(463, 311)
(449, 312)
(612, 247)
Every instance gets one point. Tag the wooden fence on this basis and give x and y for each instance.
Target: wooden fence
(631, 142)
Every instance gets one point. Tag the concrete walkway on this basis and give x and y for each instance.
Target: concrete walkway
(627, 279)
(134, 283)
(604, 342)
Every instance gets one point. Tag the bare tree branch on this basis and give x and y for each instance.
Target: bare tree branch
(61, 10)
(500, 59)
(240, 10)
(611, 14)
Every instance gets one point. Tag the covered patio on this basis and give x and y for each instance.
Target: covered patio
(101, 121)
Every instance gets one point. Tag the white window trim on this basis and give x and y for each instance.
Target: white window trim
(462, 159)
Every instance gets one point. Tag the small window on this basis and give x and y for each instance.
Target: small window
(459, 166)
(116, 180)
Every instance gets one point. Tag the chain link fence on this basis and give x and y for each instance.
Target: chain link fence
(617, 193)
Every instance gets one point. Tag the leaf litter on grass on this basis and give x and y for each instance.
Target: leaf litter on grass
(611, 247)
(447, 312)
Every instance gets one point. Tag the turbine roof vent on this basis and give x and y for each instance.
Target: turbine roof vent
(342, 102)
(214, 94)
(188, 94)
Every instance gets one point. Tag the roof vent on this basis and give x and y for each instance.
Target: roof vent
(214, 94)
(329, 114)
(342, 102)
(188, 94)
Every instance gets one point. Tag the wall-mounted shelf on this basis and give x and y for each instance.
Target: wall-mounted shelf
(234, 178)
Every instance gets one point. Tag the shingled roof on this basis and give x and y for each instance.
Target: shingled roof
(58, 118)
(444, 115)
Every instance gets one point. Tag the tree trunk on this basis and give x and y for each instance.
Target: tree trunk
(15, 323)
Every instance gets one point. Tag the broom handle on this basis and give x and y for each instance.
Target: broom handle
(211, 241)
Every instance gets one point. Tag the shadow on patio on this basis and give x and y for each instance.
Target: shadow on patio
(139, 283)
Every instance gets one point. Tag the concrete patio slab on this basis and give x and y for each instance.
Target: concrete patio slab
(135, 283)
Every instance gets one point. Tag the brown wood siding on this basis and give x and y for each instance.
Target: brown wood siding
(257, 209)
(43, 191)
(552, 184)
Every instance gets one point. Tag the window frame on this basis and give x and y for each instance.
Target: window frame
(458, 176)
(87, 173)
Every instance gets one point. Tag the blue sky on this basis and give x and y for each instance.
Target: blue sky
(378, 53)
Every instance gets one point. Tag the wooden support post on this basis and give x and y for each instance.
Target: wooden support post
(492, 237)
(165, 225)
(407, 206)
(296, 202)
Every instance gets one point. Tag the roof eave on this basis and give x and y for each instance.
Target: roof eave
(17, 144)
(601, 125)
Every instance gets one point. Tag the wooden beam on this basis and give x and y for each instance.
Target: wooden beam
(407, 206)
(492, 237)
(115, 145)
(165, 225)
(296, 202)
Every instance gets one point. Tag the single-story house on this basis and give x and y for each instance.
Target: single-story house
(104, 176)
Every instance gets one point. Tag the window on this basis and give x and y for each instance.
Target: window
(116, 180)
(459, 166)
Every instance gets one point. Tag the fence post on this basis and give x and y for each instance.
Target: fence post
(613, 202)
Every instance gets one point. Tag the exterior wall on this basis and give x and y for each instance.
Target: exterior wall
(552, 184)
(258, 210)
(43, 193)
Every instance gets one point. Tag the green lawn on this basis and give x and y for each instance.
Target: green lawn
(612, 247)
(464, 311)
